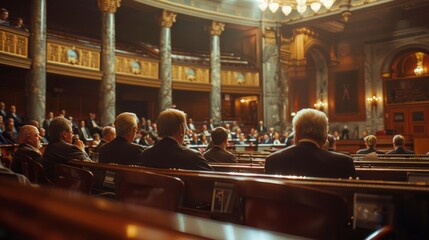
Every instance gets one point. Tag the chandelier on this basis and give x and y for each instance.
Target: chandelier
(300, 5)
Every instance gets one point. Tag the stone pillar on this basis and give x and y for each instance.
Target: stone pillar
(272, 84)
(215, 96)
(165, 92)
(285, 54)
(373, 87)
(36, 81)
(107, 93)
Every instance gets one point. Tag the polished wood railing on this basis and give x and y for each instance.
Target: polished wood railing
(31, 213)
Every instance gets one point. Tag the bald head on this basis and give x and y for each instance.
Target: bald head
(29, 134)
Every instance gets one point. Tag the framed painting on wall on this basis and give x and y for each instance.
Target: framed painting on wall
(347, 96)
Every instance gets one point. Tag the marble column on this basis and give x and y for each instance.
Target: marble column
(165, 91)
(107, 92)
(35, 85)
(215, 96)
(285, 54)
(272, 84)
(373, 87)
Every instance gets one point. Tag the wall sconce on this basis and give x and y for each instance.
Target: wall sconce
(419, 66)
(320, 105)
(242, 100)
(373, 100)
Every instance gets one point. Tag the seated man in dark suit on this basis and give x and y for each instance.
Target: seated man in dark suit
(218, 152)
(371, 143)
(9, 135)
(83, 132)
(107, 135)
(17, 119)
(29, 145)
(6, 173)
(61, 147)
(169, 152)
(398, 144)
(122, 150)
(307, 157)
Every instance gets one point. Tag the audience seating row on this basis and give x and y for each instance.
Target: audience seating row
(388, 202)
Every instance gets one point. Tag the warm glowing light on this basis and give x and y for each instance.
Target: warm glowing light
(315, 6)
(242, 100)
(286, 10)
(419, 70)
(301, 8)
(328, 3)
(299, 5)
(273, 6)
(320, 105)
(374, 100)
(263, 5)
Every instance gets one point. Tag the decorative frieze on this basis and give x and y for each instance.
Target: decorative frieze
(240, 78)
(73, 56)
(190, 74)
(137, 67)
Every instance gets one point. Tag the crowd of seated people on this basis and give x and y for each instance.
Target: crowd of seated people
(17, 23)
(66, 139)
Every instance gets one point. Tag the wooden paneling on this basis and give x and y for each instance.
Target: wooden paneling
(408, 118)
(194, 104)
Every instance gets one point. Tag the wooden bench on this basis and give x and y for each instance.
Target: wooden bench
(30, 213)
(396, 198)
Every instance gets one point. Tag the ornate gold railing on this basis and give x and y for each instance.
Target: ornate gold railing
(14, 42)
(136, 66)
(186, 73)
(240, 78)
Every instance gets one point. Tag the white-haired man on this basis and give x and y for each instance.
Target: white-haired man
(122, 150)
(307, 157)
(399, 145)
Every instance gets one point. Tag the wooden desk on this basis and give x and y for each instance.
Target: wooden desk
(47, 213)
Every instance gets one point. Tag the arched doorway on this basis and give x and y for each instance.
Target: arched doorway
(407, 93)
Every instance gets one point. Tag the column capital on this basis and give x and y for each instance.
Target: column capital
(270, 36)
(168, 18)
(217, 28)
(109, 6)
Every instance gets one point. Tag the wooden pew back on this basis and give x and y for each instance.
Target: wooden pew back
(396, 198)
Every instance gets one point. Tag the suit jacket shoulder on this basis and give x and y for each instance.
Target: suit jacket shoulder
(120, 151)
(62, 151)
(26, 150)
(217, 154)
(306, 159)
(167, 153)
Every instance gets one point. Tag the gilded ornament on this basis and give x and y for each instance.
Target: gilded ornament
(217, 28)
(270, 36)
(109, 6)
(168, 18)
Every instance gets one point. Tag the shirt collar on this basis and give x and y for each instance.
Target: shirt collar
(310, 141)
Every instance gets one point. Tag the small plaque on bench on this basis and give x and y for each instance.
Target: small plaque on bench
(372, 211)
(222, 197)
